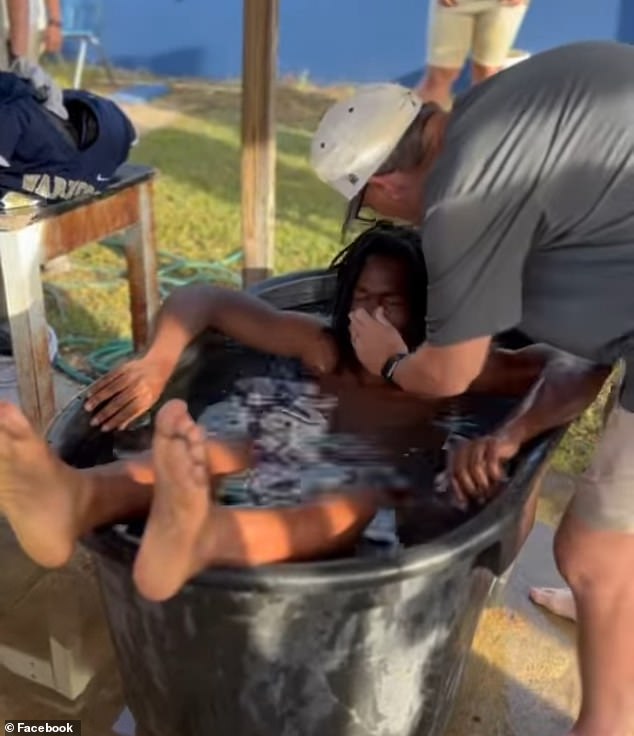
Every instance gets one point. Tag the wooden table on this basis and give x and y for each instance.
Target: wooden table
(31, 237)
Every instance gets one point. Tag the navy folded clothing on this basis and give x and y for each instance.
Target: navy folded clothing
(54, 159)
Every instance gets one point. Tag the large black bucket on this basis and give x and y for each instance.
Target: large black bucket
(345, 647)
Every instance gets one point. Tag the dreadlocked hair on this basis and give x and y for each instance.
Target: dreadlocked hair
(391, 241)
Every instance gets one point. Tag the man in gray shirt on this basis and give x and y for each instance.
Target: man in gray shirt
(525, 195)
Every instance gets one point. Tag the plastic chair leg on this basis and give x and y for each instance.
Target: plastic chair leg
(105, 61)
(81, 62)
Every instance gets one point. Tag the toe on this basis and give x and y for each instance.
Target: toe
(556, 600)
(197, 443)
(541, 596)
(184, 425)
(13, 421)
(170, 417)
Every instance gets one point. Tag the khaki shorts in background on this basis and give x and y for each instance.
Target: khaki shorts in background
(37, 11)
(483, 29)
(604, 496)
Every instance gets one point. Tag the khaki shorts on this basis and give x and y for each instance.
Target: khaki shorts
(604, 498)
(484, 28)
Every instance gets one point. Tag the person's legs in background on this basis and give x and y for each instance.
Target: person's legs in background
(450, 34)
(17, 31)
(594, 549)
(495, 31)
(486, 29)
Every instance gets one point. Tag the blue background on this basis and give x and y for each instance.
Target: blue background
(327, 40)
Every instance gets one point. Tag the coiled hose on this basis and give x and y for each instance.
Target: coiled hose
(173, 272)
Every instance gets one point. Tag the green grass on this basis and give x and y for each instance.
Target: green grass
(197, 202)
(575, 451)
(197, 207)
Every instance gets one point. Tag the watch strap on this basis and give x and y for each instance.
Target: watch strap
(390, 366)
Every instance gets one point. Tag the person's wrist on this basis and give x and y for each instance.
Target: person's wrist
(512, 436)
(397, 376)
(54, 23)
(391, 366)
(164, 362)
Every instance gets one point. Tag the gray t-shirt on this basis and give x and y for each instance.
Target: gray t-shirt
(530, 207)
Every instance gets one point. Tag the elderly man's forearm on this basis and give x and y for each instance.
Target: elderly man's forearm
(441, 372)
(427, 381)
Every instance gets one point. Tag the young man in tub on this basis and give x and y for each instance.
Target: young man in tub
(50, 505)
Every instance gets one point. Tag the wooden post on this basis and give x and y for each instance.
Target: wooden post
(259, 72)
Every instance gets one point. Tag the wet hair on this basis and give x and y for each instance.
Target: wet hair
(389, 241)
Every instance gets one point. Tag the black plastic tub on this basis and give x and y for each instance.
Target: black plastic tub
(344, 647)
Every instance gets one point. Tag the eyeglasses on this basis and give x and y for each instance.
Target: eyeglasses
(367, 216)
(357, 212)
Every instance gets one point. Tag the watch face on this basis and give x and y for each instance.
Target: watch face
(390, 366)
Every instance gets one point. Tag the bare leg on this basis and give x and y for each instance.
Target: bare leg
(480, 72)
(169, 549)
(186, 532)
(598, 567)
(50, 505)
(559, 601)
(437, 84)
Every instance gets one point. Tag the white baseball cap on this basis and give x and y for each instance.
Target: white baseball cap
(357, 135)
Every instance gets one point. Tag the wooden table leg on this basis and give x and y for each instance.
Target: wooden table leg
(24, 300)
(140, 251)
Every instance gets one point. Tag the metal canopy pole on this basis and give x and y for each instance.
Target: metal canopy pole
(259, 73)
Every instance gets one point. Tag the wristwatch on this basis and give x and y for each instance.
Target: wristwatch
(390, 366)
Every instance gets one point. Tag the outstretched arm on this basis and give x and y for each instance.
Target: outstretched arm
(131, 389)
(189, 311)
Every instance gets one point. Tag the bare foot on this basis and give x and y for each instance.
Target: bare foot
(168, 555)
(559, 601)
(40, 495)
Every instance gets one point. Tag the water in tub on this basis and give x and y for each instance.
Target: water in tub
(310, 437)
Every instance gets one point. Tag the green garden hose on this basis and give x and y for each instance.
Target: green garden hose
(173, 272)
